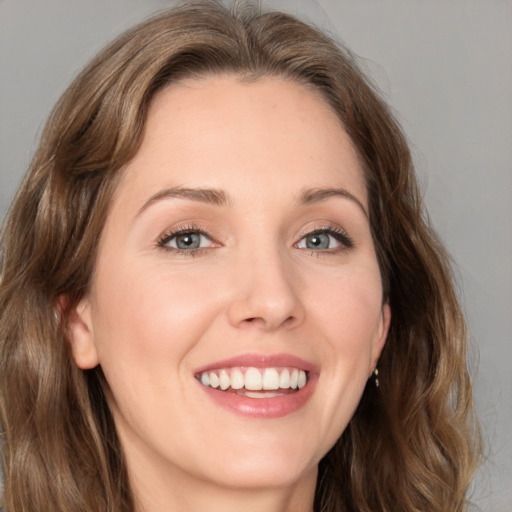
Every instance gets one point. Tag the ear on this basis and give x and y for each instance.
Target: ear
(381, 336)
(79, 328)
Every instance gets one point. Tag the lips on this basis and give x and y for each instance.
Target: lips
(259, 386)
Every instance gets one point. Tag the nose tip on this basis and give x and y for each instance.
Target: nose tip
(266, 298)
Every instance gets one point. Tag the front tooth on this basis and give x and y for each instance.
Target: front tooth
(302, 379)
(237, 379)
(214, 380)
(205, 379)
(294, 379)
(253, 379)
(284, 379)
(270, 379)
(224, 380)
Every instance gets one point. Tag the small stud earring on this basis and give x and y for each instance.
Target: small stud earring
(376, 377)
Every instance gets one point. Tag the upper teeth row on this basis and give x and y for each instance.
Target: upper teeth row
(255, 379)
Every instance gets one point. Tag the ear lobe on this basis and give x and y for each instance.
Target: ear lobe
(79, 329)
(381, 335)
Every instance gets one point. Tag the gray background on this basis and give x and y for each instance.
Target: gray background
(445, 66)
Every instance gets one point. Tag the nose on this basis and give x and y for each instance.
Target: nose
(265, 293)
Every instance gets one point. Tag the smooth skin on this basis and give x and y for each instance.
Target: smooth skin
(263, 263)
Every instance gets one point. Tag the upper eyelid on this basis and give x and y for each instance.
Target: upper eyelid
(323, 228)
(169, 234)
(186, 229)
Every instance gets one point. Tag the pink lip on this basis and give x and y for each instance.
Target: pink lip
(261, 361)
(267, 408)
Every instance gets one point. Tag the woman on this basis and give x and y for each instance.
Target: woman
(218, 240)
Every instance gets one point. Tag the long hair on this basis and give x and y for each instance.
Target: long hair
(411, 443)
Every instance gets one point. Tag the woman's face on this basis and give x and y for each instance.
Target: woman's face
(236, 256)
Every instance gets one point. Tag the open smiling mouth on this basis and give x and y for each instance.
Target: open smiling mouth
(254, 382)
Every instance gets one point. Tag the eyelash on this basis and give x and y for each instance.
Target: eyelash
(339, 234)
(336, 232)
(183, 230)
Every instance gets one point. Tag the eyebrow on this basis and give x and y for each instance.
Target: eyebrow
(203, 195)
(220, 198)
(317, 195)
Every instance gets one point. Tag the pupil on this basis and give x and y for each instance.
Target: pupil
(318, 241)
(188, 241)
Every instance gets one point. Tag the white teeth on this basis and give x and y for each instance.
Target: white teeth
(302, 379)
(255, 379)
(284, 379)
(237, 379)
(214, 380)
(262, 394)
(271, 379)
(294, 379)
(224, 380)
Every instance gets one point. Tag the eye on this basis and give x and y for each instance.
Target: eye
(325, 239)
(185, 240)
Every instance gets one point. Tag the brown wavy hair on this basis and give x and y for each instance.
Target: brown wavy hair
(412, 444)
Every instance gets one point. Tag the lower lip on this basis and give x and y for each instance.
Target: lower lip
(268, 408)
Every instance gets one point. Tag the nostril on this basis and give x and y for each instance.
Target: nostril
(290, 320)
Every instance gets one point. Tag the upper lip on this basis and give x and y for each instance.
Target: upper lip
(261, 361)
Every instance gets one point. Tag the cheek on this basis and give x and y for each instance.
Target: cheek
(352, 323)
(345, 319)
(151, 316)
(146, 324)
(350, 308)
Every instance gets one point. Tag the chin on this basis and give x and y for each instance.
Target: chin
(267, 462)
(262, 474)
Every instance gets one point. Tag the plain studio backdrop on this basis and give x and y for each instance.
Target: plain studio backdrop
(445, 66)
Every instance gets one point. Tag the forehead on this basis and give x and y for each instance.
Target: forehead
(222, 131)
